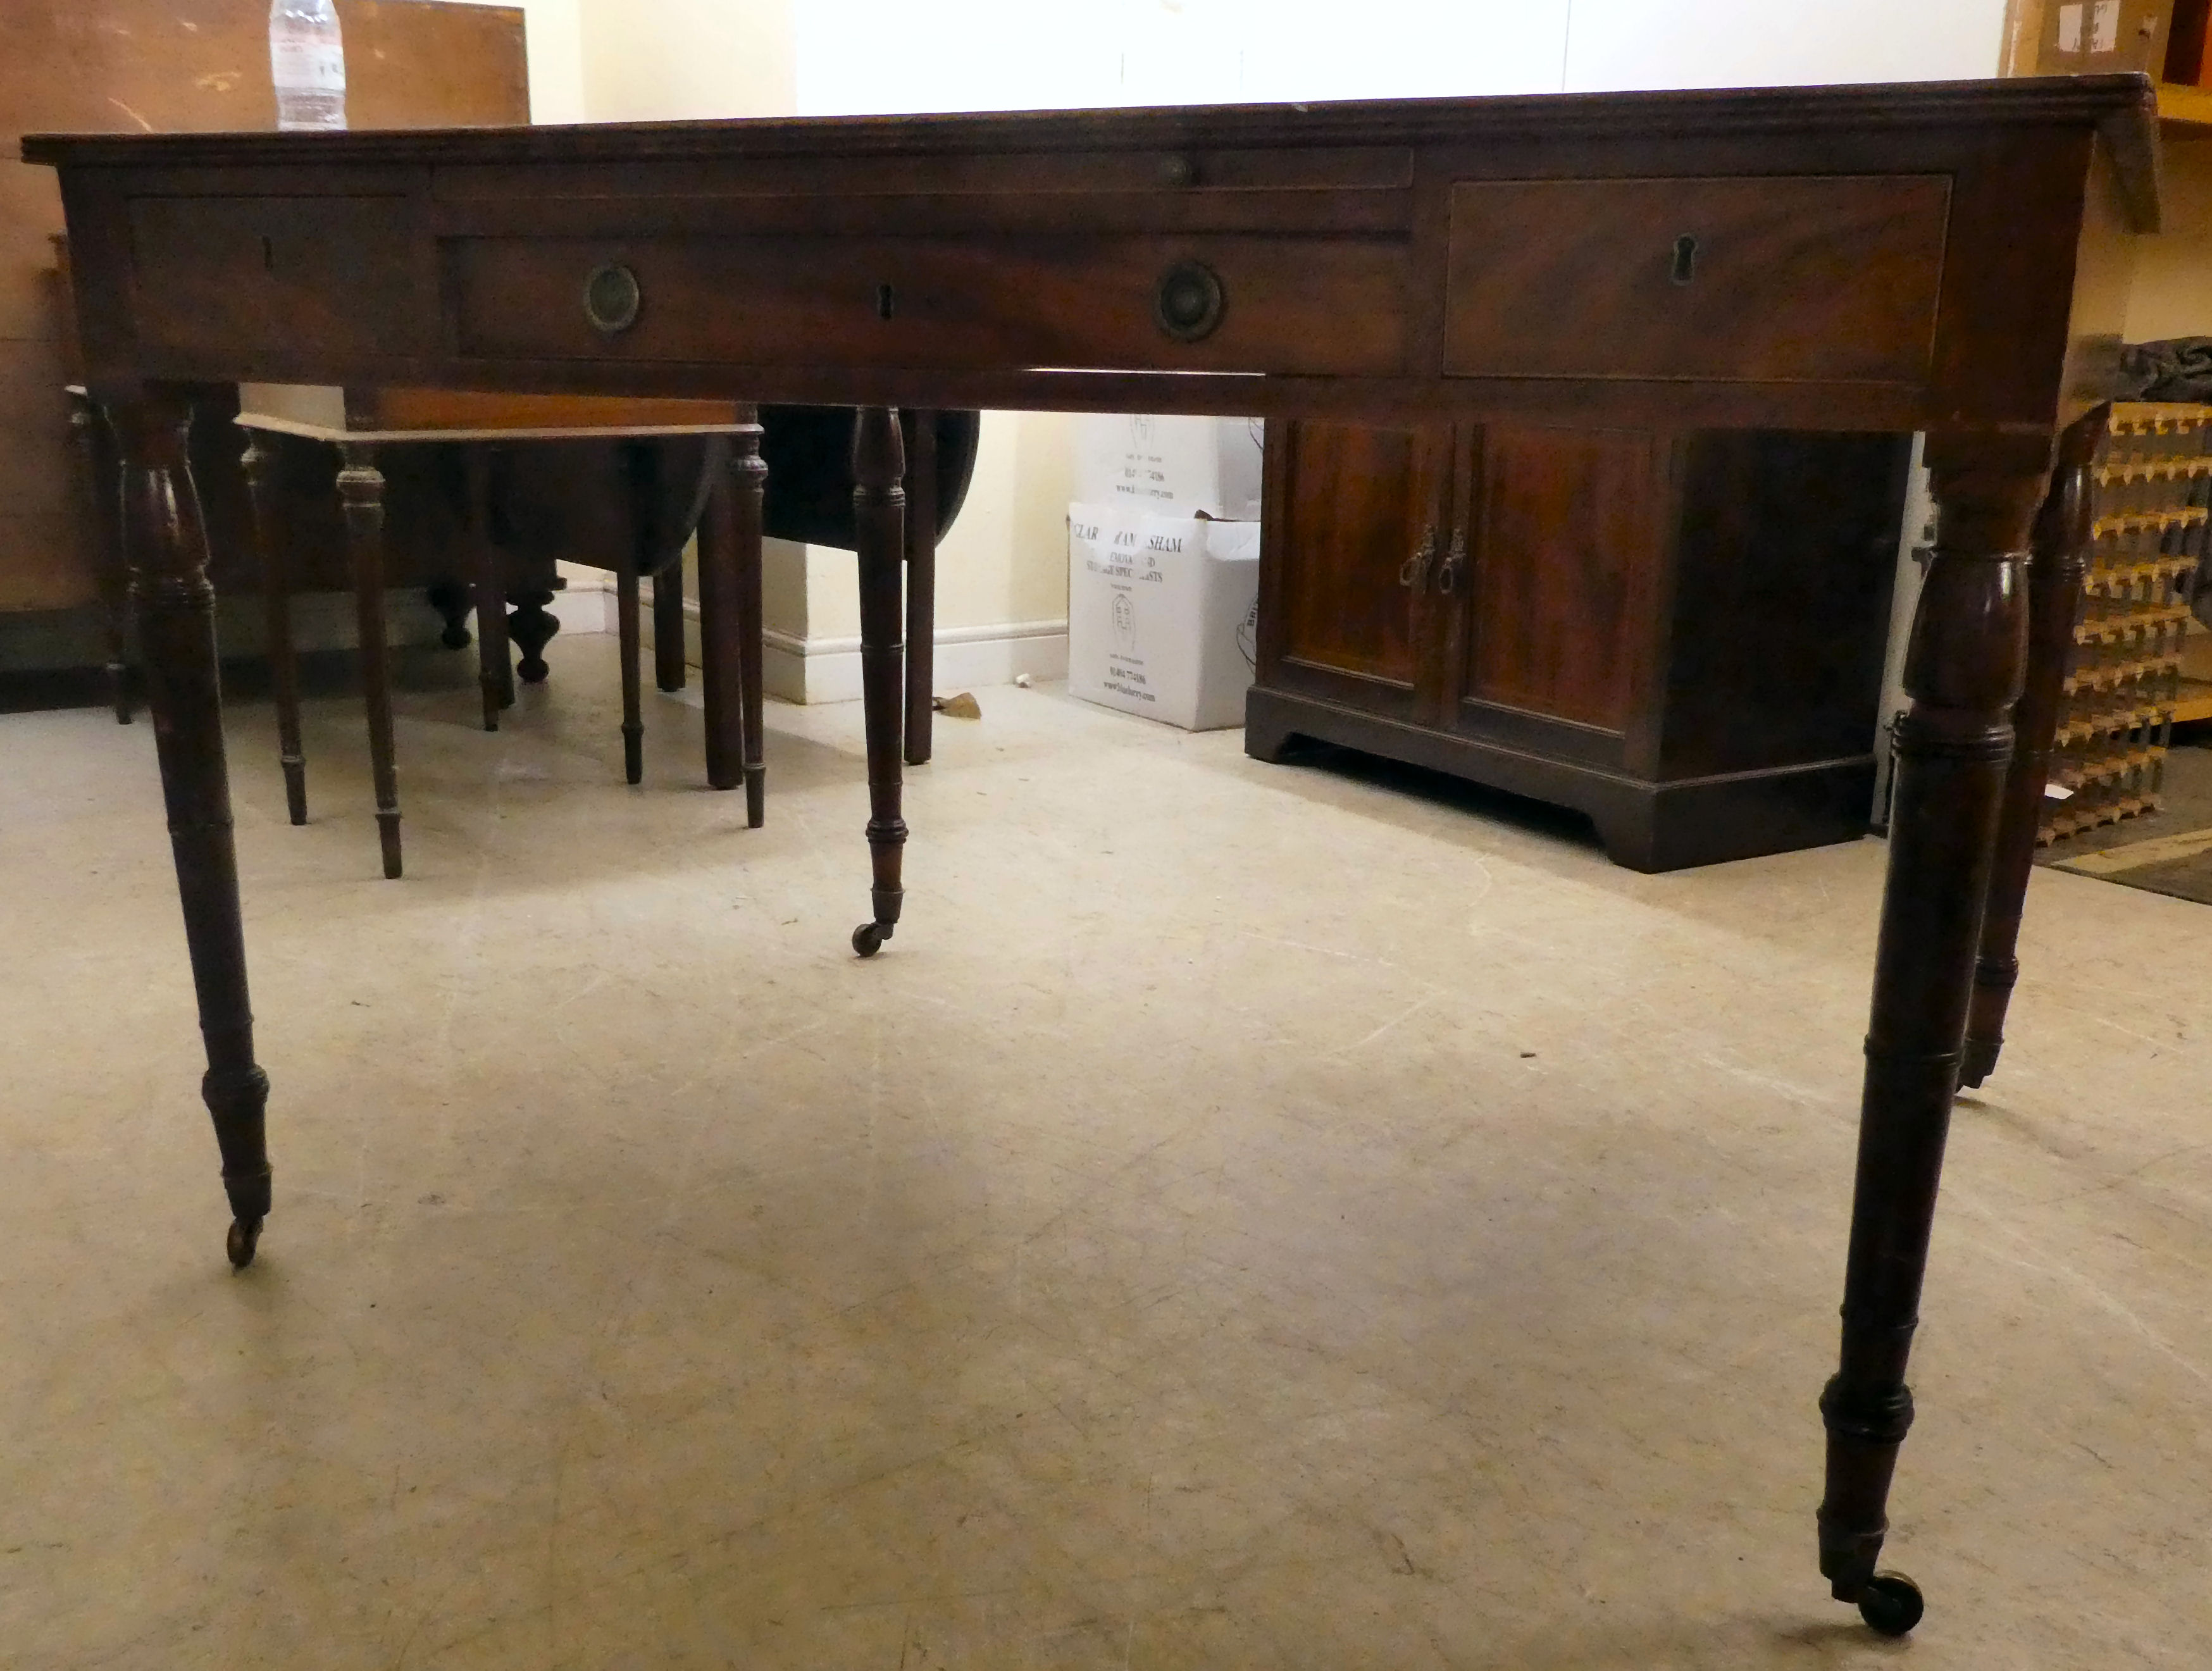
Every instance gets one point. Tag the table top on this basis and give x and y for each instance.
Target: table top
(1907, 257)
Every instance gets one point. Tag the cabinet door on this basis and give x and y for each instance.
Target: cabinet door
(1558, 641)
(1352, 538)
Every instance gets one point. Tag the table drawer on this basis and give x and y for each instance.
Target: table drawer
(1317, 305)
(336, 275)
(1784, 279)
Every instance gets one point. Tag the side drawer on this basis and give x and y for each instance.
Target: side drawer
(1782, 279)
(328, 276)
(1328, 305)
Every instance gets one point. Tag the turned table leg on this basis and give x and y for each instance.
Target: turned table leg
(275, 564)
(1964, 673)
(2060, 547)
(751, 472)
(879, 520)
(729, 590)
(99, 475)
(165, 544)
(920, 587)
(361, 487)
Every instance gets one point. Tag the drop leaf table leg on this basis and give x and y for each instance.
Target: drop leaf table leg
(494, 660)
(879, 517)
(165, 543)
(2060, 558)
(668, 671)
(1963, 671)
(99, 474)
(361, 490)
(276, 562)
(729, 546)
(920, 588)
(752, 472)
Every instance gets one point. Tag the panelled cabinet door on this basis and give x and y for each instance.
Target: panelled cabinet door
(1355, 536)
(1559, 635)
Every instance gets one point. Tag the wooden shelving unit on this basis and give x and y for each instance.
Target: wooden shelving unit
(2124, 691)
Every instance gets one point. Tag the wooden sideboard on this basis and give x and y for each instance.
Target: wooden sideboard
(1952, 259)
(1681, 633)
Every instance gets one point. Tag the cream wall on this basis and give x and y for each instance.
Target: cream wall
(2173, 294)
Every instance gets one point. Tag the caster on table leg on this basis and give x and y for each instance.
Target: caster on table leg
(245, 1237)
(868, 938)
(1891, 1604)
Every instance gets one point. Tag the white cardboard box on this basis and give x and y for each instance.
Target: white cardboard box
(1179, 464)
(1160, 614)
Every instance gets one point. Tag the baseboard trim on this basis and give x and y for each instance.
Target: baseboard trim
(827, 670)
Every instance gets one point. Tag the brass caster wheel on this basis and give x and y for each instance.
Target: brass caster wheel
(1891, 1604)
(245, 1237)
(868, 938)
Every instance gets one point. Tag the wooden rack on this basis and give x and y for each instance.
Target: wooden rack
(2125, 690)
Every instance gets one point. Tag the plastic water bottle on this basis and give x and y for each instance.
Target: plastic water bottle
(307, 58)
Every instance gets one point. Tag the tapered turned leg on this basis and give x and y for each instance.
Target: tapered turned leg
(668, 626)
(93, 447)
(750, 470)
(879, 520)
(920, 587)
(361, 488)
(165, 544)
(495, 660)
(1964, 673)
(275, 565)
(729, 552)
(2061, 548)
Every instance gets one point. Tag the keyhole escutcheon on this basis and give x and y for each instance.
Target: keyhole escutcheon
(1686, 258)
(886, 301)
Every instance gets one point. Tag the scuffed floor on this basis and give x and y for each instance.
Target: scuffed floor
(1249, 1216)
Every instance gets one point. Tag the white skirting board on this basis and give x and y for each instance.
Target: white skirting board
(827, 670)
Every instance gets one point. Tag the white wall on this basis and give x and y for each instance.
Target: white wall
(682, 60)
(1616, 44)
(883, 56)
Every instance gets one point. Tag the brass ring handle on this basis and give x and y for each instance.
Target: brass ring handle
(1447, 576)
(1414, 571)
(612, 299)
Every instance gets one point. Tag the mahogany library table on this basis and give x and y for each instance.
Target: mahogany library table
(1951, 258)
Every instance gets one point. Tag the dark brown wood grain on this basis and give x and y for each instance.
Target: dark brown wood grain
(361, 492)
(879, 521)
(1768, 280)
(1686, 630)
(1066, 300)
(1026, 270)
(2059, 559)
(1570, 549)
(1963, 673)
(921, 584)
(1354, 524)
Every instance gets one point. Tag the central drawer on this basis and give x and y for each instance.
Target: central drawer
(1283, 304)
(1779, 279)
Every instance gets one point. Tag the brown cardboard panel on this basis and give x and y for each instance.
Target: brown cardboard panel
(179, 66)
